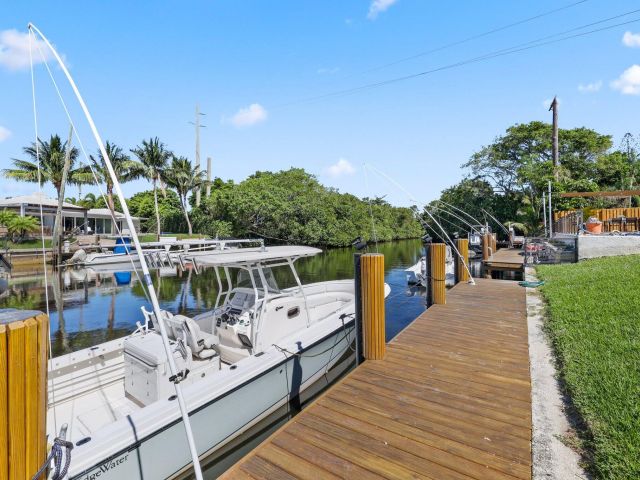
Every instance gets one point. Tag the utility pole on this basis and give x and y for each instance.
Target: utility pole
(544, 212)
(198, 127)
(208, 176)
(550, 213)
(554, 107)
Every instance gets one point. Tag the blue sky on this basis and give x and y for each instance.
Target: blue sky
(143, 66)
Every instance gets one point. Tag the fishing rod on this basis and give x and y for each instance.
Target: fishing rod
(455, 216)
(498, 222)
(143, 263)
(420, 219)
(454, 224)
(462, 211)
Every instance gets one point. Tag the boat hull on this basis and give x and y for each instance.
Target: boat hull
(165, 454)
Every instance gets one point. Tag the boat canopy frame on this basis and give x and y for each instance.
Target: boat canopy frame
(265, 258)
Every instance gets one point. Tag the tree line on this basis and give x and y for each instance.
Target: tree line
(151, 160)
(508, 177)
(287, 206)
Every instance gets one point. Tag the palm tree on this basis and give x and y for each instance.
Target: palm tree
(20, 226)
(153, 156)
(6, 217)
(89, 201)
(184, 178)
(124, 168)
(52, 155)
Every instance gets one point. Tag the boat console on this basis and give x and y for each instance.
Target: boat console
(147, 374)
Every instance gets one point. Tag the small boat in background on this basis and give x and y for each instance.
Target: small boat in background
(417, 274)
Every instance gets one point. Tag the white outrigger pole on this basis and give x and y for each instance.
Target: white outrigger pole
(143, 262)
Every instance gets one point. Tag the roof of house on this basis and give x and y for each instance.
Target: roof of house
(104, 212)
(36, 198)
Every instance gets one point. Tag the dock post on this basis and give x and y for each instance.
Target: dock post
(438, 272)
(494, 243)
(23, 392)
(373, 327)
(357, 285)
(427, 264)
(462, 274)
(485, 247)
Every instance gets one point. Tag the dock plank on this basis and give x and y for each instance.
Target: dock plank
(450, 400)
(506, 259)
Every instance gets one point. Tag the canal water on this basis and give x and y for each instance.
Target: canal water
(88, 307)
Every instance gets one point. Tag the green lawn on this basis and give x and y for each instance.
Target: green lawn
(26, 244)
(594, 322)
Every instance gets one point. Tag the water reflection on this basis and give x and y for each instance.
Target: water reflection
(88, 307)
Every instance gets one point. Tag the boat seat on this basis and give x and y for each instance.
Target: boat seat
(150, 349)
(202, 344)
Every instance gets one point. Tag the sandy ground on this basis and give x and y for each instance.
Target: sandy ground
(552, 459)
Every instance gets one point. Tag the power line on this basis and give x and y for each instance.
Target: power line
(497, 53)
(474, 37)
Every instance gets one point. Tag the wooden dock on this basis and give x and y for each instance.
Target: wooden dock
(450, 400)
(505, 260)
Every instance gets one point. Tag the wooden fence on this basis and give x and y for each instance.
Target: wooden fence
(613, 219)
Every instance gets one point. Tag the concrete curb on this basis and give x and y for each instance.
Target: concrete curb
(551, 458)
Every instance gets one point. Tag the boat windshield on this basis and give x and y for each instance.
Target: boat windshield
(244, 280)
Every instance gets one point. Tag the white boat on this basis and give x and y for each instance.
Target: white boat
(417, 273)
(167, 251)
(258, 350)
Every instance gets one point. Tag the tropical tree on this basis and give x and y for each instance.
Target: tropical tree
(89, 201)
(153, 156)
(51, 155)
(6, 217)
(19, 227)
(124, 167)
(184, 178)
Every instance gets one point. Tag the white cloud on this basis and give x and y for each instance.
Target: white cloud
(4, 133)
(251, 115)
(547, 103)
(340, 168)
(629, 82)
(14, 50)
(631, 40)
(378, 6)
(590, 87)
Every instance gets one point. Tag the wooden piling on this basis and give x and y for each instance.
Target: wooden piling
(23, 377)
(4, 405)
(438, 272)
(372, 284)
(494, 243)
(462, 274)
(485, 247)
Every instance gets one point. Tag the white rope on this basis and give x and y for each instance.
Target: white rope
(93, 173)
(412, 199)
(44, 252)
(373, 221)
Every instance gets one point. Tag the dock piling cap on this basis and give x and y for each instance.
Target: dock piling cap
(10, 315)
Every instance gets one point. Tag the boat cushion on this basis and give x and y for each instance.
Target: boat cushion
(148, 348)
